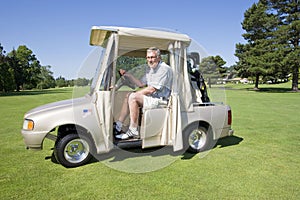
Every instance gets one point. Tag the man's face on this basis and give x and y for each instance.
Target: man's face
(152, 59)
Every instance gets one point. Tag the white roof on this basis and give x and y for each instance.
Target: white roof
(137, 38)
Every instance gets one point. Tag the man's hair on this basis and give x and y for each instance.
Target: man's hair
(157, 51)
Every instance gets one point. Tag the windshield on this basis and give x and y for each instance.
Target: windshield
(88, 72)
(97, 62)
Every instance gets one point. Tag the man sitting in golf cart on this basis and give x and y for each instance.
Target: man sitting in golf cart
(158, 81)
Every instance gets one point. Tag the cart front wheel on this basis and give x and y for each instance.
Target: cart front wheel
(73, 151)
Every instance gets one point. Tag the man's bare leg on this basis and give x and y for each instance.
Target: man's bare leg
(135, 101)
(125, 110)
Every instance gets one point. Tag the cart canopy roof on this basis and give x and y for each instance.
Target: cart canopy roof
(137, 38)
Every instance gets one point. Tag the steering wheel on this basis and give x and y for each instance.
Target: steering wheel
(125, 81)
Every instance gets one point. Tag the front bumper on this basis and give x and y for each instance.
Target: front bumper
(33, 140)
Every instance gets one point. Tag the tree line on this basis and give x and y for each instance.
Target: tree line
(272, 32)
(271, 52)
(20, 70)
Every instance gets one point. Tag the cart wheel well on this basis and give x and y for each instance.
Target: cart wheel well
(199, 124)
(67, 129)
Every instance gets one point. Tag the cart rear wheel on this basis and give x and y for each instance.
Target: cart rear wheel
(198, 138)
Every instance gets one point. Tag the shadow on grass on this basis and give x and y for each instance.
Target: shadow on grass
(222, 142)
(228, 141)
(117, 155)
(263, 89)
(123, 154)
(271, 90)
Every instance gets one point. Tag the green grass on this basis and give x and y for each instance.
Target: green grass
(260, 162)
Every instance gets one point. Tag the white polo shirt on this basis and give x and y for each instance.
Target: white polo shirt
(161, 79)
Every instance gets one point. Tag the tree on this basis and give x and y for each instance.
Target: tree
(256, 57)
(25, 66)
(272, 34)
(242, 66)
(212, 68)
(82, 82)
(288, 34)
(46, 78)
(20, 69)
(61, 82)
(16, 69)
(6, 73)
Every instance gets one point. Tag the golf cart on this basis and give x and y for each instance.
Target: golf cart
(83, 127)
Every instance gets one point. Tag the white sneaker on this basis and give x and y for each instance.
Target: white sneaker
(128, 134)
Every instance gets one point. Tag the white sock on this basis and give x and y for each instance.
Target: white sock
(119, 125)
(134, 130)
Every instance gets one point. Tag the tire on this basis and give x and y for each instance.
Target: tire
(197, 138)
(73, 151)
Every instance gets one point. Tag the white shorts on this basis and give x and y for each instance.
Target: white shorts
(151, 103)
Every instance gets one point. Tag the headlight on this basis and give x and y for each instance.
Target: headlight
(28, 124)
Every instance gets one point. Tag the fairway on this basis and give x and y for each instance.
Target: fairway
(261, 160)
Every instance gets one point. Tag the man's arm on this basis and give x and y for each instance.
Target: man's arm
(147, 90)
(134, 80)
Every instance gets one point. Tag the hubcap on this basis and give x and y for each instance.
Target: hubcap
(197, 139)
(76, 150)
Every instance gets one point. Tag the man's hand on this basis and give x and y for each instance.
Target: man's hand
(130, 80)
(122, 72)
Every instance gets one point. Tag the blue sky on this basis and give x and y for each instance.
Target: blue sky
(57, 31)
